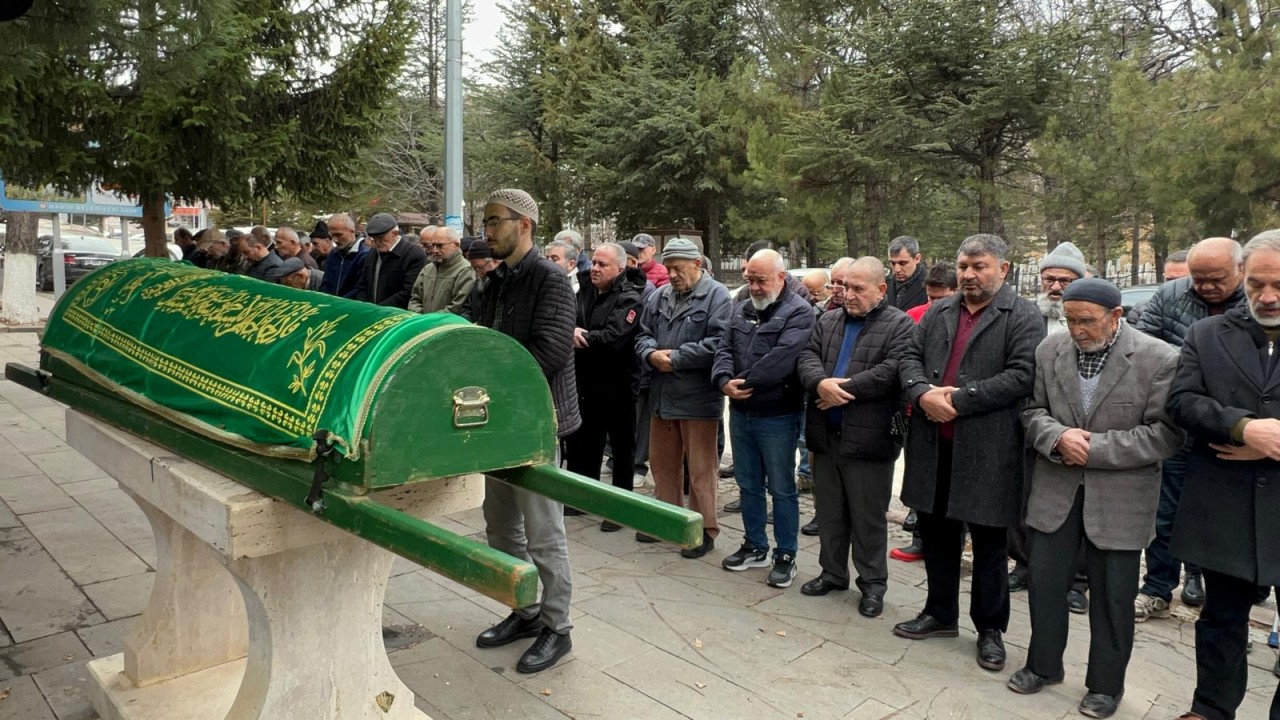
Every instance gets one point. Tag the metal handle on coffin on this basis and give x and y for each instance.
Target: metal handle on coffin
(652, 517)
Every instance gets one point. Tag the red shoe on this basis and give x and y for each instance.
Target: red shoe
(910, 553)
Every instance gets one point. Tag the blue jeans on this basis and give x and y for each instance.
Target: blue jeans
(764, 455)
(1164, 571)
(804, 468)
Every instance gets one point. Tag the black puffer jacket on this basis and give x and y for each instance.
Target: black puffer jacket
(538, 310)
(1175, 307)
(605, 366)
(761, 347)
(866, 432)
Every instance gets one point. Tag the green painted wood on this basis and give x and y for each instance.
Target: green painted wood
(652, 517)
(411, 430)
(476, 565)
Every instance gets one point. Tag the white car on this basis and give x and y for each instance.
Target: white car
(175, 252)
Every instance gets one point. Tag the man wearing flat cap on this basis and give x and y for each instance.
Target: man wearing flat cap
(528, 297)
(680, 330)
(654, 270)
(1098, 424)
(391, 267)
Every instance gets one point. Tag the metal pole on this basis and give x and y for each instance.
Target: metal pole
(56, 259)
(453, 116)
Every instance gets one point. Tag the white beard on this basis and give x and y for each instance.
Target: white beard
(1271, 322)
(766, 301)
(1050, 308)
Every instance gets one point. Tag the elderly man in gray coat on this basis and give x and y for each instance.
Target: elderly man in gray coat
(968, 373)
(1098, 423)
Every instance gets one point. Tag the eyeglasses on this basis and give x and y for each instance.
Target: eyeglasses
(1051, 281)
(492, 222)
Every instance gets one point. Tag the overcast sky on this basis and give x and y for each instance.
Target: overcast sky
(479, 36)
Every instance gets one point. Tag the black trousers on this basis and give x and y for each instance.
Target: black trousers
(852, 497)
(943, 540)
(1113, 585)
(1020, 553)
(1222, 633)
(604, 417)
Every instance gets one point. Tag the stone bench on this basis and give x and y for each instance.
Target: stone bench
(259, 611)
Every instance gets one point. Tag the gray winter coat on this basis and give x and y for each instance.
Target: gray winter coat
(995, 380)
(1174, 307)
(693, 334)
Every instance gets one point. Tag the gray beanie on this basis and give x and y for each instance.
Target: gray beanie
(1067, 257)
(680, 249)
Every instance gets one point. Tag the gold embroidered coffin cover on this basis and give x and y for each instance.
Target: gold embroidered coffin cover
(257, 365)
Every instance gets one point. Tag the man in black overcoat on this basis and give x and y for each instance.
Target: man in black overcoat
(969, 372)
(1226, 395)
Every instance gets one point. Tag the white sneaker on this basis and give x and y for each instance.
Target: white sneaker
(1146, 607)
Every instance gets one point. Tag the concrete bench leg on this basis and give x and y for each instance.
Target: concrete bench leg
(194, 618)
(315, 627)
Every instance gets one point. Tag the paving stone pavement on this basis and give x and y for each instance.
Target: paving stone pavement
(656, 636)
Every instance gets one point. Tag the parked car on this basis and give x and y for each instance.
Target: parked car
(81, 255)
(175, 252)
(1134, 298)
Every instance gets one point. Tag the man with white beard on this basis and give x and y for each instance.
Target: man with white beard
(1058, 270)
(755, 366)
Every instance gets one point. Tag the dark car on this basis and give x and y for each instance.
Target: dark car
(81, 255)
(1134, 298)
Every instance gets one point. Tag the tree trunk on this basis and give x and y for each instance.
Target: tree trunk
(873, 200)
(1135, 254)
(851, 235)
(1159, 247)
(18, 300)
(711, 246)
(154, 232)
(989, 218)
(1100, 249)
(1054, 224)
(811, 252)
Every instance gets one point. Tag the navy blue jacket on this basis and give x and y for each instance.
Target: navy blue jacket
(342, 269)
(762, 346)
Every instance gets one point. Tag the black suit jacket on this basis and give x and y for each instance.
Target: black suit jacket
(394, 279)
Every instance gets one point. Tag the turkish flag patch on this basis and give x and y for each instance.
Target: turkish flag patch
(631, 317)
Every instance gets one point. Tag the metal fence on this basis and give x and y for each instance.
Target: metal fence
(1026, 276)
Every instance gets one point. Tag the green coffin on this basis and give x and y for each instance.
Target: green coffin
(264, 367)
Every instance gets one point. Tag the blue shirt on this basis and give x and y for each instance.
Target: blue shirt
(852, 329)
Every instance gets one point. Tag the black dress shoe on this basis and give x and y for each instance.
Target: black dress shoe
(1193, 590)
(708, 544)
(733, 506)
(820, 586)
(991, 653)
(726, 471)
(1077, 602)
(910, 523)
(508, 631)
(1018, 581)
(609, 526)
(572, 511)
(545, 651)
(810, 528)
(1026, 682)
(641, 537)
(925, 626)
(1099, 705)
(871, 605)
